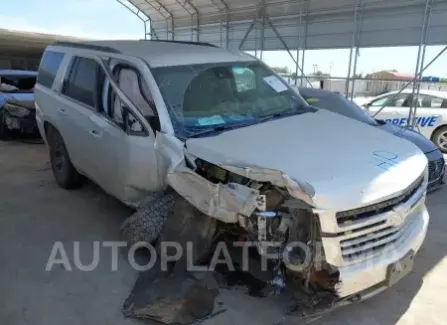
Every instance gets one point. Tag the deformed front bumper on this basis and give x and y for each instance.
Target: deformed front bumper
(370, 277)
(363, 250)
(24, 124)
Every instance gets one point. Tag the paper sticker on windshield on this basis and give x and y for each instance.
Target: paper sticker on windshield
(211, 120)
(275, 83)
(312, 100)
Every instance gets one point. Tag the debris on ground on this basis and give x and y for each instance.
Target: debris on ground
(176, 299)
(176, 296)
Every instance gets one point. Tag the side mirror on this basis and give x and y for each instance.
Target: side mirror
(131, 124)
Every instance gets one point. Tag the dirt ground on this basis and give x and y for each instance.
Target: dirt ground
(35, 213)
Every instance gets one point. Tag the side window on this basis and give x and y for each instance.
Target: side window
(131, 84)
(137, 90)
(401, 100)
(244, 78)
(436, 102)
(49, 65)
(431, 102)
(422, 101)
(115, 109)
(120, 114)
(380, 101)
(82, 81)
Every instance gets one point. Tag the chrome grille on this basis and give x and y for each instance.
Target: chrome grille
(375, 241)
(361, 214)
(370, 230)
(435, 168)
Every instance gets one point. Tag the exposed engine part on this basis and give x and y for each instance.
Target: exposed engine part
(262, 223)
(217, 174)
(262, 229)
(277, 221)
(278, 282)
(274, 198)
(261, 202)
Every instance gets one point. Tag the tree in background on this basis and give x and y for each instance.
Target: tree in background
(320, 74)
(281, 70)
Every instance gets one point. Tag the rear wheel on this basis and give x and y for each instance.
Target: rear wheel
(440, 139)
(63, 170)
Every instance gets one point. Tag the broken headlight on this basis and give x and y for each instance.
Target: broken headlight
(16, 110)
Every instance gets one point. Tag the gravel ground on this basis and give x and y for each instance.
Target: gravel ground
(35, 213)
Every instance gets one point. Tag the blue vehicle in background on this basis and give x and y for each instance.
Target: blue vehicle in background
(337, 103)
(17, 110)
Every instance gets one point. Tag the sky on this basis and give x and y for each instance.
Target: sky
(107, 19)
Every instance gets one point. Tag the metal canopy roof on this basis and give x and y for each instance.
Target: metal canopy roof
(25, 44)
(310, 24)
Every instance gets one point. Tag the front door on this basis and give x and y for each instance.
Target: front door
(396, 109)
(127, 162)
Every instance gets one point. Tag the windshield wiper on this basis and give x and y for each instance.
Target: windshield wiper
(288, 112)
(225, 127)
(220, 128)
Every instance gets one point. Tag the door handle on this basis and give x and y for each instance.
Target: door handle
(95, 133)
(61, 110)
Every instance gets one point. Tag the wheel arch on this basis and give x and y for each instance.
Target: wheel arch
(48, 127)
(436, 130)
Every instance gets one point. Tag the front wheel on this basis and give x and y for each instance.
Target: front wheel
(146, 223)
(440, 139)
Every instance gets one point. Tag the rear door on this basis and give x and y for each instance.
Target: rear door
(45, 89)
(430, 113)
(77, 104)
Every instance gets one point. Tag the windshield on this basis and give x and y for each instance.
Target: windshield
(221, 96)
(17, 83)
(338, 103)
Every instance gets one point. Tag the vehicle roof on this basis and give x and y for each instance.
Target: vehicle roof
(437, 93)
(159, 53)
(11, 72)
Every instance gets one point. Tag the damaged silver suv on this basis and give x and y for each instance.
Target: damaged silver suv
(155, 121)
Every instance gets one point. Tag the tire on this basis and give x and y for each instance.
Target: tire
(64, 172)
(438, 139)
(4, 132)
(147, 222)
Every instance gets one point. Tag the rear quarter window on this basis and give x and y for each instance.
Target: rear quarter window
(49, 65)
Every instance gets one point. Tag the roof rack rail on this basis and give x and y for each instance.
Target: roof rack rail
(87, 46)
(181, 42)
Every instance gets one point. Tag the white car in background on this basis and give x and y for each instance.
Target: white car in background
(431, 113)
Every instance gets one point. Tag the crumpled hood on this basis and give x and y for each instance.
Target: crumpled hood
(418, 139)
(348, 163)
